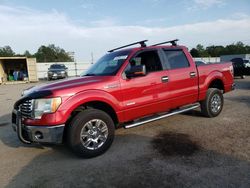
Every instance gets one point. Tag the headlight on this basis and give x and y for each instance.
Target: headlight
(42, 106)
(62, 72)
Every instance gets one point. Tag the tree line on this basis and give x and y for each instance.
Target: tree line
(50, 53)
(217, 51)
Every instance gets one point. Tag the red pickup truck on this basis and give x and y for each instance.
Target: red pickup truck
(125, 88)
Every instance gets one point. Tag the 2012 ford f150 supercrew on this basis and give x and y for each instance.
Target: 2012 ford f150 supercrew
(125, 88)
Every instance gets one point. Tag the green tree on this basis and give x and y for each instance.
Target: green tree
(247, 49)
(215, 51)
(238, 48)
(51, 53)
(202, 51)
(27, 54)
(6, 51)
(194, 52)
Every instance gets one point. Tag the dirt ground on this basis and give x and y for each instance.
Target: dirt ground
(185, 150)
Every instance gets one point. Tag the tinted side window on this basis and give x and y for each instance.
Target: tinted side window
(176, 59)
(150, 59)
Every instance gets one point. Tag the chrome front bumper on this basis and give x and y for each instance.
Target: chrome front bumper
(40, 134)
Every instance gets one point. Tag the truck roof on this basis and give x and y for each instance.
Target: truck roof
(143, 45)
(152, 47)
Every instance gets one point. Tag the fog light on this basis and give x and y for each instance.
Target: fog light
(38, 135)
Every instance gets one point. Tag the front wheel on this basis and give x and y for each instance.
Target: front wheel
(90, 133)
(213, 104)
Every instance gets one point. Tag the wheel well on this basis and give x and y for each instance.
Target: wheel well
(94, 104)
(97, 105)
(217, 83)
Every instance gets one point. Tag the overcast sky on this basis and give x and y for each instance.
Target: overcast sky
(86, 26)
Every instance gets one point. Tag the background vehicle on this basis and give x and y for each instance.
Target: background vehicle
(125, 88)
(57, 71)
(241, 67)
(198, 63)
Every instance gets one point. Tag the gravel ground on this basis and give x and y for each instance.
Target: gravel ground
(185, 150)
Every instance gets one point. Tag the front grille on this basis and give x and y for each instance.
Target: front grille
(26, 109)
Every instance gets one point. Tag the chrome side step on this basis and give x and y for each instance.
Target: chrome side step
(154, 118)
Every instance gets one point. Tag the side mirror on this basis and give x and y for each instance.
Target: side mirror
(135, 71)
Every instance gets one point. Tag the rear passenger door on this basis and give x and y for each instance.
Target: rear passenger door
(182, 78)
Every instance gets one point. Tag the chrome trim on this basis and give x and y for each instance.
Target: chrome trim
(48, 127)
(94, 134)
(110, 86)
(130, 103)
(19, 127)
(162, 116)
(164, 79)
(50, 134)
(216, 103)
(192, 74)
(26, 108)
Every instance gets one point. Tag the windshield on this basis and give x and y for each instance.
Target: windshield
(57, 66)
(108, 65)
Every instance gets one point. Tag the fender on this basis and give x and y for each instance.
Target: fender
(80, 98)
(208, 80)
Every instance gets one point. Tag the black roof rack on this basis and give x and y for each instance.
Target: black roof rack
(142, 43)
(173, 42)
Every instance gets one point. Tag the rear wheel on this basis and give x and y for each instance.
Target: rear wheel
(90, 133)
(213, 104)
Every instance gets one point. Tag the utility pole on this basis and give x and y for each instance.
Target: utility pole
(75, 68)
(92, 58)
(72, 55)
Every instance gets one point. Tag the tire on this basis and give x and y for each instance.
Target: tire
(90, 133)
(213, 104)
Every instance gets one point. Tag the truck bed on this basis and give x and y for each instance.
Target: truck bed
(209, 70)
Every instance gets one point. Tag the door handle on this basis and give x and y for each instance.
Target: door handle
(164, 79)
(192, 74)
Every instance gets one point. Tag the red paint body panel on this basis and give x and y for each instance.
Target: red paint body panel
(138, 97)
(211, 72)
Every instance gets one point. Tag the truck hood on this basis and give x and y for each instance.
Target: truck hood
(70, 86)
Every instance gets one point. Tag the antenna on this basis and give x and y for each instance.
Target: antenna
(92, 58)
(173, 42)
(142, 43)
